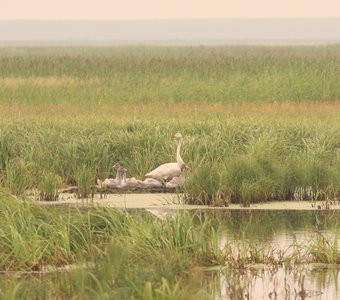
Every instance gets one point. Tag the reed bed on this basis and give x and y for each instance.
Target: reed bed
(232, 158)
(169, 74)
(259, 123)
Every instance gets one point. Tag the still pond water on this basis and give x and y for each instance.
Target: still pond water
(278, 230)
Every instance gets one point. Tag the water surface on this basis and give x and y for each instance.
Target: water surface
(277, 230)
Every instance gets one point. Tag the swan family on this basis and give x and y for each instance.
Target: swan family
(168, 175)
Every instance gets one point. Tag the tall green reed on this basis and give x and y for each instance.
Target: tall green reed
(230, 160)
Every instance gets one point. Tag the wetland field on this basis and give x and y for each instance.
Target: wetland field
(259, 124)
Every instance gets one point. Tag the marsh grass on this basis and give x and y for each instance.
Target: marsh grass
(170, 74)
(85, 182)
(325, 248)
(135, 255)
(49, 187)
(16, 176)
(231, 159)
(258, 122)
(131, 255)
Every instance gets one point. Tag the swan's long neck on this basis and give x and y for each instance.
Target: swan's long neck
(118, 175)
(121, 175)
(178, 154)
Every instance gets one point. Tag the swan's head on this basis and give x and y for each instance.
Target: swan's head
(178, 136)
(116, 166)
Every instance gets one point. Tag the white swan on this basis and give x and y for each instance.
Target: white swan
(175, 182)
(114, 182)
(151, 183)
(122, 173)
(166, 172)
(130, 182)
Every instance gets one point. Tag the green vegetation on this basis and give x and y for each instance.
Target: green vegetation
(118, 255)
(231, 159)
(169, 74)
(100, 253)
(259, 123)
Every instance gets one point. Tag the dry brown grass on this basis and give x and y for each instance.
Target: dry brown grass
(309, 113)
(49, 81)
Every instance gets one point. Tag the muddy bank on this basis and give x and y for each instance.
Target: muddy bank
(175, 201)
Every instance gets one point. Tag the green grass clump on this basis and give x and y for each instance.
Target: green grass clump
(49, 187)
(324, 249)
(85, 182)
(16, 176)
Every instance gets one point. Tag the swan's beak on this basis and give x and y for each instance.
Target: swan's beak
(185, 167)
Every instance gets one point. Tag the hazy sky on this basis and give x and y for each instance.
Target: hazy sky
(166, 9)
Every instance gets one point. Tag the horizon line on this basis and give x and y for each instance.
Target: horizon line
(173, 19)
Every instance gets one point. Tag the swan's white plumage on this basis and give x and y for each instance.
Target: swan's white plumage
(167, 171)
(151, 183)
(175, 182)
(129, 182)
(114, 182)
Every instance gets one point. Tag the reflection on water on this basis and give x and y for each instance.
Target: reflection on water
(279, 229)
(310, 283)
